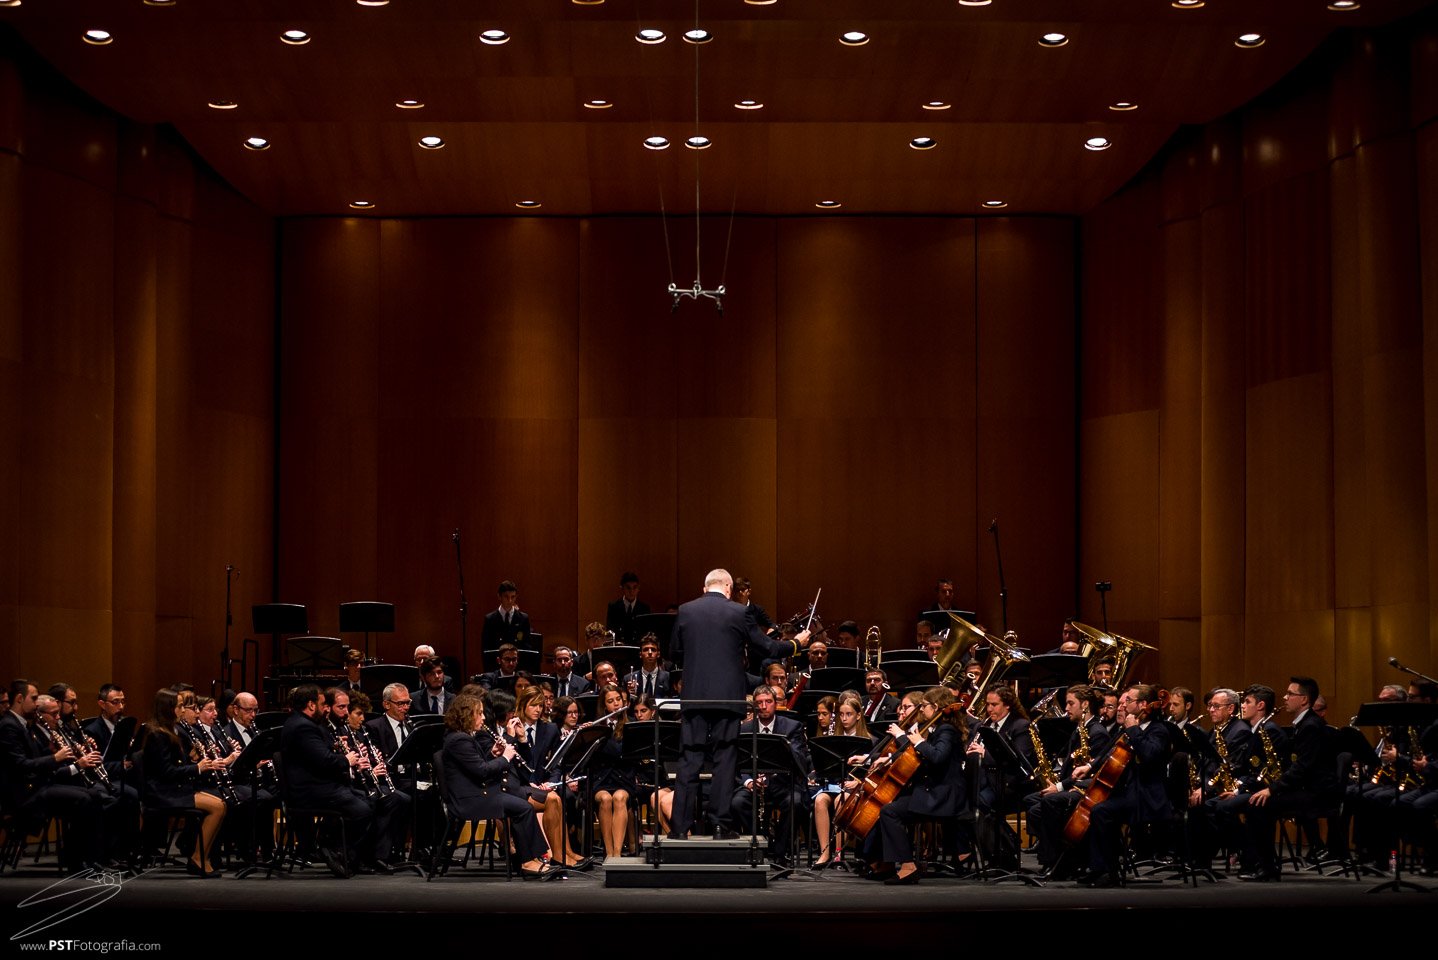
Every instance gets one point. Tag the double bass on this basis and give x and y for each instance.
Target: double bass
(858, 810)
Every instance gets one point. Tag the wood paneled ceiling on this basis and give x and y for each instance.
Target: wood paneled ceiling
(836, 121)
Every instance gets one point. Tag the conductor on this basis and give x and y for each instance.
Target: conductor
(710, 636)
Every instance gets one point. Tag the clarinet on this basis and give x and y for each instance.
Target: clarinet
(210, 749)
(383, 783)
(98, 773)
(518, 762)
(59, 741)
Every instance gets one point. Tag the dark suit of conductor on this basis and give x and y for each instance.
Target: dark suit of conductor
(710, 635)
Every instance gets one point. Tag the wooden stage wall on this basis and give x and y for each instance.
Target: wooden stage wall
(876, 391)
(136, 397)
(1259, 383)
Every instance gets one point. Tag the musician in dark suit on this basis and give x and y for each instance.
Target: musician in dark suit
(937, 788)
(782, 791)
(567, 681)
(1002, 790)
(432, 695)
(504, 678)
(316, 775)
(174, 770)
(650, 678)
(1051, 806)
(710, 638)
(102, 730)
(880, 706)
(29, 765)
(507, 624)
(1140, 796)
(1214, 773)
(619, 618)
(476, 767)
(1309, 782)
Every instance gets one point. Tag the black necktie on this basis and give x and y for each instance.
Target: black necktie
(649, 683)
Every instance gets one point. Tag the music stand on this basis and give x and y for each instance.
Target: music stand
(276, 619)
(1394, 714)
(834, 680)
(121, 740)
(316, 655)
(529, 661)
(588, 705)
(653, 742)
(417, 751)
(624, 658)
(939, 619)
(375, 677)
(659, 624)
(263, 746)
(998, 746)
(843, 657)
(912, 674)
(366, 617)
(765, 753)
(1057, 670)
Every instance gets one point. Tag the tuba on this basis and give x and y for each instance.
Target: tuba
(1004, 652)
(1099, 644)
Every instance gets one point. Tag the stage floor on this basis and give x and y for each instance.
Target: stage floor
(166, 907)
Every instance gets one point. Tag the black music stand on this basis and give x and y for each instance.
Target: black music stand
(916, 674)
(843, 657)
(121, 740)
(418, 750)
(659, 624)
(833, 680)
(624, 658)
(831, 766)
(278, 619)
(1005, 757)
(653, 742)
(1394, 714)
(587, 740)
(529, 662)
(311, 656)
(588, 705)
(939, 619)
(375, 677)
(366, 617)
(765, 753)
(263, 746)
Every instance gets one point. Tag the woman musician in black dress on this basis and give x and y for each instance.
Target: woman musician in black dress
(475, 769)
(612, 776)
(935, 790)
(536, 741)
(173, 767)
(846, 720)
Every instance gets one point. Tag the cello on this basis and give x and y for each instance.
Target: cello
(857, 812)
(1104, 781)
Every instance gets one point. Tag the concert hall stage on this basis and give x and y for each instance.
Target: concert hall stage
(166, 907)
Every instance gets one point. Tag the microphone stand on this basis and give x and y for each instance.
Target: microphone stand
(1103, 587)
(1393, 662)
(227, 666)
(463, 608)
(1003, 590)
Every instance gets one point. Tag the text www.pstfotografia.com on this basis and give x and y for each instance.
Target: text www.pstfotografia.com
(87, 946)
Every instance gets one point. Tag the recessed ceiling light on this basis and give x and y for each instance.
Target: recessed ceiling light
(598, 104)
(975, 3)
(98, 37)
(256, 143)
(494, 37)
(1053, 39)
(937, 105)
(828, 204)
(748, 105)
(697, 142)
(1187, 4)
(1097, 143)
(586, 3)
(372, 3)
(409, 104)
(697, 35)
(760, 3)
(996, 204)
(1342, 5)
(295, 38)
(431, 142)
(650, 35)
(364, 204)
(1122, 105)
(854, 38)
(923, 143)
(528, 204)
(656, 143)
(152, 3)
(1249, 40)
(9, 3)
(222, 105)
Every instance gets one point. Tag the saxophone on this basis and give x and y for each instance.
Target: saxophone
(1043, 766)
(1084, 753)
(1272, 767)
(1415, 752)
(1385, 774)
(1224, 777)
